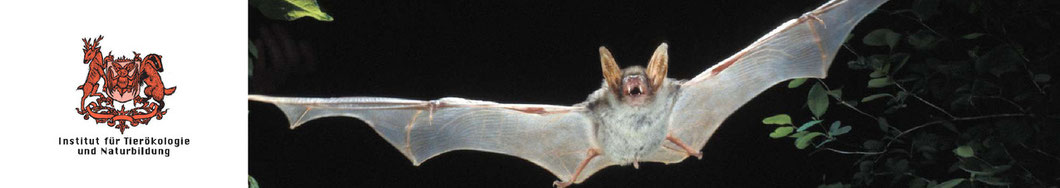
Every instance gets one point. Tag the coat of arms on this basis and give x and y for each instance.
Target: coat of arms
(132, 90)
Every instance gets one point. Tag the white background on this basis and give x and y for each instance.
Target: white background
(204, 52)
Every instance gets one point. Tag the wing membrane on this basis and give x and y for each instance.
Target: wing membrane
(553, 137)
(799, 48)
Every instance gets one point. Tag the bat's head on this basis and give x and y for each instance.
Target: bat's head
(635, 85)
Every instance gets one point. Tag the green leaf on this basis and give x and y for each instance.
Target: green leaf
(797, 134)
(964, 151)
(1000, 168)
(950, 184)
(884, 126)
(807, 125)
(878, 73)
(834, 185)
(882, 37)
(925, 9)
(253, 55)
(852, 103)
(979, 168)
(836, 129)
(1042, 78)
(804, 141)
(817, 100)
(882, 71)
(877, 61)
(842, 130)
(880, 82)
(794, 83)
(253, 50)
(995, 181)
(859, 64)
(866, 166)
(920, 183)
(781, 132)
(779, 119)
(950, 126)
(922, 40)
(291, 9)
(998, 61)
(253, 183)
(837, 93)
(872, 145)
(973, 35)
(250, 67)
(876, 96)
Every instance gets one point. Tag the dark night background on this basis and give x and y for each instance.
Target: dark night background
(515, 52)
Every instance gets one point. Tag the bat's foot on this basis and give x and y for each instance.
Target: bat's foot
(688, 150)
(561, 184)
(592, 153)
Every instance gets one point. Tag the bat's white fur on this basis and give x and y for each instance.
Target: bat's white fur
(627, 133)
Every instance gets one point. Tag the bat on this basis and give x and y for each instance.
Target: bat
(638, 114)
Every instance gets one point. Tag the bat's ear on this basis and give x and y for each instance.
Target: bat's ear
(612, 74)
(658, 65)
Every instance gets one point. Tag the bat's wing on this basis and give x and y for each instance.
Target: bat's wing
(556, 138)
(799, 48)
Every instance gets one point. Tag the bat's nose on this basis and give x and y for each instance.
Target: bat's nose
(634, 80)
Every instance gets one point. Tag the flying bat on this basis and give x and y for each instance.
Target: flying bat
(638, 114)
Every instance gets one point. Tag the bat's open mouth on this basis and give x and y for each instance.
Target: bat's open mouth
(634, 85)
(635, 91)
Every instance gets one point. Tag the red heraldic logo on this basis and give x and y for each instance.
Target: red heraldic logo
(124, 80)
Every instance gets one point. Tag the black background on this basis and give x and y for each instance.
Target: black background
(514, 52)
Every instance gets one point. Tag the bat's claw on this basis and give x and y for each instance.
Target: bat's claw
(560, 184)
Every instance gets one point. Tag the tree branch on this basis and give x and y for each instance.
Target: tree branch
(907, 131)
(924, 101)
(854, 152)
(844, 103)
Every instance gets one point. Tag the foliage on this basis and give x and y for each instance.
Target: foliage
(253, 183)
(957, 93)
(253, 55)
(288, 10)
(291, 10)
